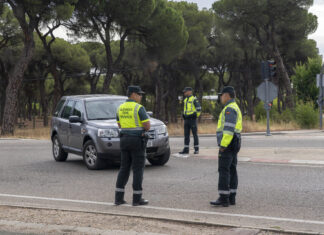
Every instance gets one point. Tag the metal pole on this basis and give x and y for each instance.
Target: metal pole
(267, 106)
(320, 98)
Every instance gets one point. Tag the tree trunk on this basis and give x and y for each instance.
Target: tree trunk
(249, 90)
(285, 77)
(15, 80)
(43, 101)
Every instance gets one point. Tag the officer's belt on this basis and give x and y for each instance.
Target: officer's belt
(133, 129)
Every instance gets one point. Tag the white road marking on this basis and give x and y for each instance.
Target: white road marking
(171, 209)
(315, 162)
(180, 155)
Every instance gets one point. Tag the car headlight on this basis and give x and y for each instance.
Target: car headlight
(162, 130)
(108, 133)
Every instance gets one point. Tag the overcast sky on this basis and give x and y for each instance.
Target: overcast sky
(317, 9)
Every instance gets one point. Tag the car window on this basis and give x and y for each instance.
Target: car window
(78, 110)
(59, 107)
(102, 109)
(66, 113)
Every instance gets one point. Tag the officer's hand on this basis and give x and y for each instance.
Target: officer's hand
(194, 115)
(221, 149)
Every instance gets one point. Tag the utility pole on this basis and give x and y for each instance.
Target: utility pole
(321, 97)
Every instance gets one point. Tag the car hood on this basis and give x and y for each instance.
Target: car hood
(113, 123)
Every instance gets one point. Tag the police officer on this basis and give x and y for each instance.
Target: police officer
(191, 112)
(229, 141)
(133, 121)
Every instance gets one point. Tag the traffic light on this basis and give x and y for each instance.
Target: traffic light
(265, 69)
(272, 68)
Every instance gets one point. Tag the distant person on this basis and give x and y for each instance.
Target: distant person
(133, 121)
(191, 112)
(229, 141)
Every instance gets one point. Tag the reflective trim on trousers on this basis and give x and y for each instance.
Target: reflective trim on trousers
(120, 190)
(233, 190)
(224, 192)
(137, 192)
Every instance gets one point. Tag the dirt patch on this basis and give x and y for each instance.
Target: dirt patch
(40, 221)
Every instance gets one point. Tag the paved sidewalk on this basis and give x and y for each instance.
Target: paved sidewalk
(272, 155)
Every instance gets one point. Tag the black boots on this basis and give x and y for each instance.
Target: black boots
(184, 151)
(119, 198)
(223, 200)
(139, 201)
(232, 199)
(196, 151)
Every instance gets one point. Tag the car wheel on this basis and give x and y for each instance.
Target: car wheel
(58, 153)
(90, 156)
(160, 160)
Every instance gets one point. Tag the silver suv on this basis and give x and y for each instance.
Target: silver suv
(86, 125)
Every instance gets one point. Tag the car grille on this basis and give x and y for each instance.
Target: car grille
(151, 150)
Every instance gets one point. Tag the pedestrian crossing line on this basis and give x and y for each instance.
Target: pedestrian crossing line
(189, 211)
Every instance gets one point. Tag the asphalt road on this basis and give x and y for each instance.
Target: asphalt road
(301, 139)
(280, 196)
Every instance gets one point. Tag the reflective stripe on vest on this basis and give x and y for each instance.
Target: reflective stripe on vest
(221, 120)
(128, 114)
(189, 106)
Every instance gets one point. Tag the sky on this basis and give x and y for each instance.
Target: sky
(317, 9)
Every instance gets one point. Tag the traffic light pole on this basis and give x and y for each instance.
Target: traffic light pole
(320, 98)
(267, 106)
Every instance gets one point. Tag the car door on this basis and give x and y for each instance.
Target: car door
(76, 130)
(65, 124)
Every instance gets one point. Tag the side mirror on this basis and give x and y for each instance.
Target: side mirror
(75, 119)
(150, 113)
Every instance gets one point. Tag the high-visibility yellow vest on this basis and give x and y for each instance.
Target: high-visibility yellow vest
(128, 114)
(225, 135)
(189, 106)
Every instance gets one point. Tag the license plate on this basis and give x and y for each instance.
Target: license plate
(149, 144)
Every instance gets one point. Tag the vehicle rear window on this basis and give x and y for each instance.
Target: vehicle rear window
(58, 107)
(102, 109)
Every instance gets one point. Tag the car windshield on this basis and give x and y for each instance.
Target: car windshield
(102, 109)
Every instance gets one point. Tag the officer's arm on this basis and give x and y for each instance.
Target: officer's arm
(117, 118)
(229, 127)
(145, 119)
(197, 106)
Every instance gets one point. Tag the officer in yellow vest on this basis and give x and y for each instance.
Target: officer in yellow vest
(133, 121)
(191, 112)
(229, 141)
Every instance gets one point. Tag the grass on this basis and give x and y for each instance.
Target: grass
(175, 129)
(41, 133)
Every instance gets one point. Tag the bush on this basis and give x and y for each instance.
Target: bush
(287, 116)
(217, 110)
(260, 112)
(208, 106)
(306, 115)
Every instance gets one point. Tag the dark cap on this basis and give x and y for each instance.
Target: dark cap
(187, 89)
(228, 89)
(135, 89)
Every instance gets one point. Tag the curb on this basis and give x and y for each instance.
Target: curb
(259, 133)
(161, 218)
(260, 160)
